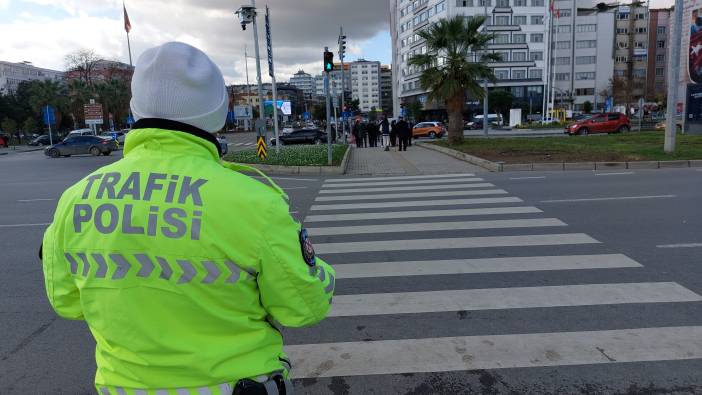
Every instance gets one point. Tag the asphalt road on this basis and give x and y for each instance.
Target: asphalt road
(552, 283)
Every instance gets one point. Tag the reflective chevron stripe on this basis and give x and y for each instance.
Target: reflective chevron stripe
(188, 271)
(123, 266)
(102, 266)
(147, 266)
(72, 262)
(220, 389)
(86, 265)
(213, 272)
(166, 271)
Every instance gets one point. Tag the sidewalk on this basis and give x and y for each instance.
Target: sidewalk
(19, 148)
(416, 160)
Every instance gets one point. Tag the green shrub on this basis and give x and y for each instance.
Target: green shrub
(291, 155)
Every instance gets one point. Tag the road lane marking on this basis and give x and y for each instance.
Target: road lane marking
(413, 188)
(400, 177)
(24, 225)
(404, 196)
(528, 178)
(458, 242)
(483, 265)
(510, 298)
(422, 214)
(435, 226)
(291, 188)
(239, 144)
(415, 203)
(444, 354)
(392, 183)
(688, 245)
(626, 173)
(609, 198)
(36, 200)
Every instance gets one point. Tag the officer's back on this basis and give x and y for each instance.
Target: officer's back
(178, 264)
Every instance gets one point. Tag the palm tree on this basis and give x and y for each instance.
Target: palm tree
(79, 93)
(48, 92)
(453, 65)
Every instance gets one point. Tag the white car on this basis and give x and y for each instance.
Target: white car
(80, 132)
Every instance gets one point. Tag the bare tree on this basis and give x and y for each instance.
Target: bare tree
(83, 62)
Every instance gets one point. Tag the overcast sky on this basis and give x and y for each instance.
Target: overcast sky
(44, 31)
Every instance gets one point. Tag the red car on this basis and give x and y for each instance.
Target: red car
(610, 122)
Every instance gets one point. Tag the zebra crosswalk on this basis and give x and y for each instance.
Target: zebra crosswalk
(408, 250)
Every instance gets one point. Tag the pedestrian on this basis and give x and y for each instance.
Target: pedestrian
(385, 130)
(364, 135)
(181, 296)
(372, 135)
(393, 133)
(403, 133)
(356, 131)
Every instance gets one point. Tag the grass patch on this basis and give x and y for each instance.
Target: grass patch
(595, 148)
(292, 155)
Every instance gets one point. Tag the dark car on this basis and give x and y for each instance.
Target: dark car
(302, 136)
(610, 122)
(223, 144)
(78, 145)
(44, 140)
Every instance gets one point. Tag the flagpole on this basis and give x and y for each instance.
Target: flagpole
(127, 23)
(547, 62)
(553, 74)
(129, 48)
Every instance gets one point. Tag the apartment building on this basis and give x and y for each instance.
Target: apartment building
(12, 74)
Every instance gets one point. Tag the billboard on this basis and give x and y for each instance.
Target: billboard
(243, 112)
(695, 47)
(284, 106)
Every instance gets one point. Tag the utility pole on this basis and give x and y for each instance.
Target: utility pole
(328, 67)
(247, 14)
(342, 53)
(485, 82)
(248, 88)
(673, 80)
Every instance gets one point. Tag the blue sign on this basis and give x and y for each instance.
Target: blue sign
(403, 112)
(130, 119)
(231, 118)
(306, 116)
(608, 104)
(49, 115)
(346, 115)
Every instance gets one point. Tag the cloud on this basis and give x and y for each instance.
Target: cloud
(300, 30)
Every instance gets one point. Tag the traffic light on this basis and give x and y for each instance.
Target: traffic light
(328, 62)
(342, 47)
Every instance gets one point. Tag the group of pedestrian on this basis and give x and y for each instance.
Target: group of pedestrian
(387, 134)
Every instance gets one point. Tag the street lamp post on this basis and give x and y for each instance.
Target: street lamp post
(485, 84)
(247, 14)
(673, 77)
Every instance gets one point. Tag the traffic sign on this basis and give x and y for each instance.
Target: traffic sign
(49, 115)
(261, 148)
(269, 45)
(93, 114)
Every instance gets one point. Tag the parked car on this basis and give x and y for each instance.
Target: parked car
(678, 124)
(302, 136)
(429, 129)
(4, 140)
(80, 132)
(223, 144)
(77, 145)
(611, 122)
(117, 136)
(44, 140)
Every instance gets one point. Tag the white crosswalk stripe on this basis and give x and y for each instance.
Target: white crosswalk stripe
(421, 272)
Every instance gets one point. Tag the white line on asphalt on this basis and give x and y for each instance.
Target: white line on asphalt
(422, 214)
(435, 226)
(412, 188)
(528, 178)
(510, 298)
(415, 203)
(239, 144)
(408, 182)
(459, 242)
(688, 245)
(399, 177)
(483, 265)
(527, 350)
(36, 200)
(294, 212)
(24, 225)
(626, 173)
(290, 188)
(609, 198)
(411, 195)
(698, 169)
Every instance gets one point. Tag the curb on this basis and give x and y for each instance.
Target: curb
(562, 166)
(306, 170)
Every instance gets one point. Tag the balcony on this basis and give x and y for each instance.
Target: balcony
(502, 10)
(524, 63)
(508, 46)
(420, 5)
(502, 28)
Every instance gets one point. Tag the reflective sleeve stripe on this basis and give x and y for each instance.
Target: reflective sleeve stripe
(104, 391)
(120, 391)
(271, 387)
(204, 391)
(226, 389)
(72, 262)
(321, 273)
(140, 392)
(332, 284)
(182, 391)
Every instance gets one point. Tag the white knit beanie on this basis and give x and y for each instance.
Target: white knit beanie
(178, 82)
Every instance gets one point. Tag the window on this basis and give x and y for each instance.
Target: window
(585, 59)
(660, 71)
(501, 39)
(518, 74)
(660, 43)
(586, 44)
(517, 91)
(537, 3)
(640, 58)
(536, 37)
(641, 73)
(563, 60)
(536, 74)
(519, 38)
(639, 44)
(565, 13)
(622, 30)
(481, 3)
(519, 57)
(641, 16)
(613, 117)
(520, 20)
(520, 3)
(534, 90)
(620, 73)
(623, 44)
(622, 16)
(584, 91)
(561, 45)
(503, 3)
(501, 20)
(585, 76)
(464, 3)
(502, 74)
(660, 30)
(621, 59)
(586, 28)
(562, 29)
(537, 19)
(536, 55)
(562, 76)
(504, 56)
(440, 7)
(660, 58)
(641, 30)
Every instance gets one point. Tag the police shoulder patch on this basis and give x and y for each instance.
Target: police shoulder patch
(307, 248)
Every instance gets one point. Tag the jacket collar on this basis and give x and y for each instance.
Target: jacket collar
(158, 123)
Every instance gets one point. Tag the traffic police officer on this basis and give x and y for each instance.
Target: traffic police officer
(181, 267)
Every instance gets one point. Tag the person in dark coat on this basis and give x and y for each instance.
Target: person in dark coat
(364, 135)
(372, 135)
(403, 132)
(393, 133)
(356, 131)
(385, 130)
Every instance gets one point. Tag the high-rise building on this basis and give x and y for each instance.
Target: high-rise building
(631, 53)
(365, 84)
(659, 35)
(335, 81)
(303, 81)
(11, 74)
(386, 91)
